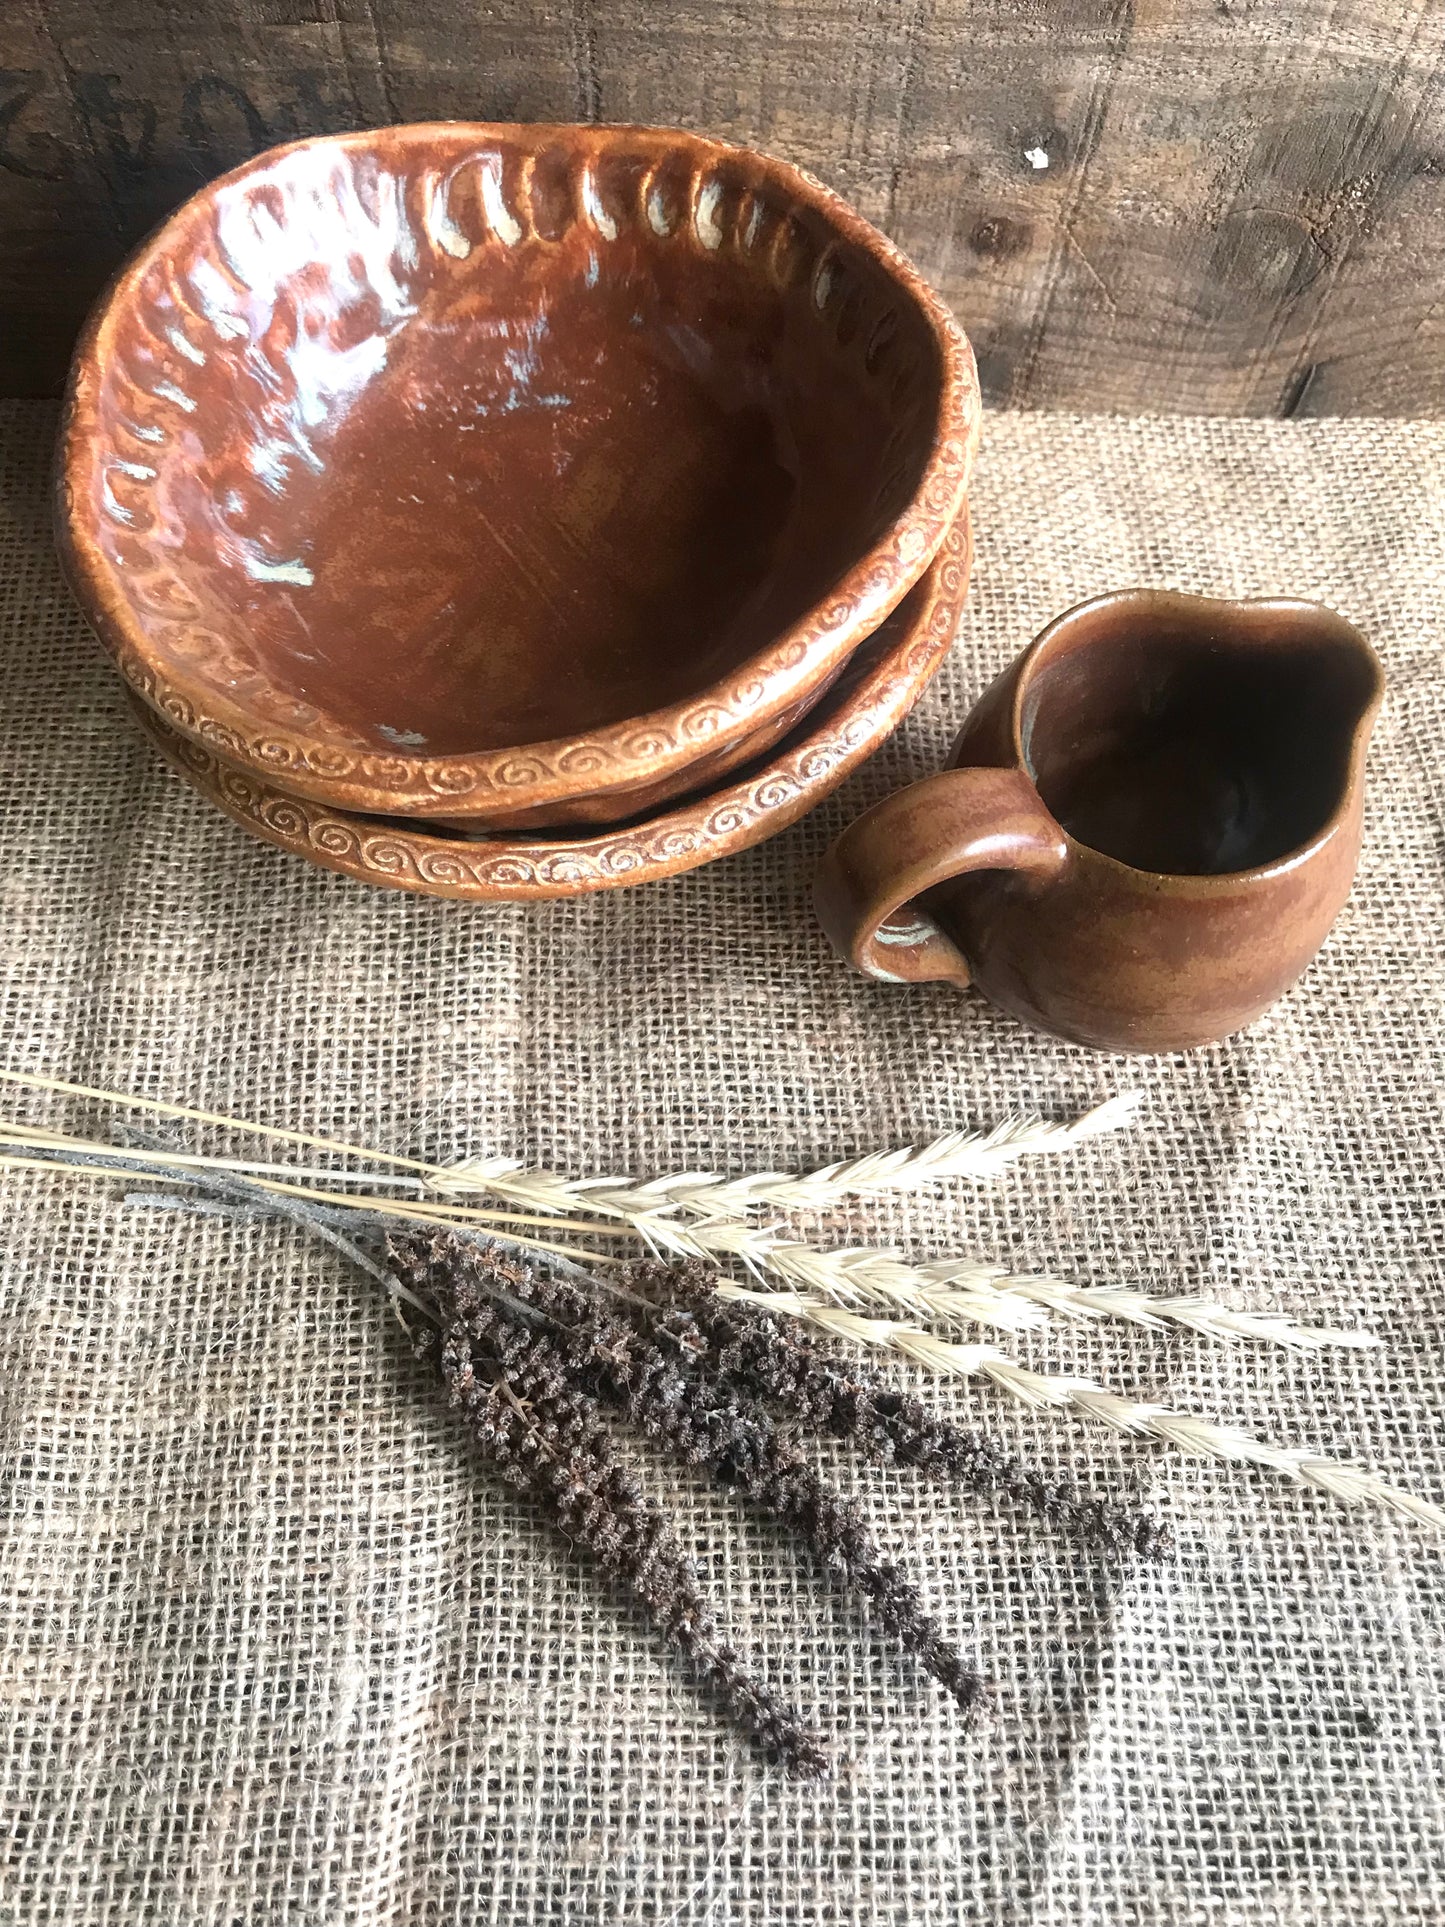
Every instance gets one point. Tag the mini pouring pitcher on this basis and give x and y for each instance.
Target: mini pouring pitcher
(1148, 824)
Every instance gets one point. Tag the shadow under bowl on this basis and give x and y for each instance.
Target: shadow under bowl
(507, 471)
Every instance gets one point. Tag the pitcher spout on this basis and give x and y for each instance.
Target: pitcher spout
(1330, 691)
(1192, 735)
(1346, 674)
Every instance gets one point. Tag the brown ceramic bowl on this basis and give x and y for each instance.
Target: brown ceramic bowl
(879, 685)
(509, 472)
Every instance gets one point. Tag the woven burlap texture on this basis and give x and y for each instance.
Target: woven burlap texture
(275, 1646)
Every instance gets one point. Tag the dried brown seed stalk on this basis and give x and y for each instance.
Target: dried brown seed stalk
(709, 1422)
(781, 1363)
(547, 1436)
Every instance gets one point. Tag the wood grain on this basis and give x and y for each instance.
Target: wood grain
(1228, 206)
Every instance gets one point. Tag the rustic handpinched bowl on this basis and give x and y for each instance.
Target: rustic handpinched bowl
(878, 685)
(507, 475)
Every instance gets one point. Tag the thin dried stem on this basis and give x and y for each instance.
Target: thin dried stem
(12, 1131)
(32, 1080)
(1198, 1437)
(109, 1163)
(433, 1212)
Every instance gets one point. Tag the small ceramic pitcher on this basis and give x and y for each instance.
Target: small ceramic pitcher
(1148, 824)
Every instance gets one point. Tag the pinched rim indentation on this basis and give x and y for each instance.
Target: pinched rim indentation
(702, 193)
(513, 868)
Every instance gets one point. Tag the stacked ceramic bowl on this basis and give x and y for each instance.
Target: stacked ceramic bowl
(505, 511)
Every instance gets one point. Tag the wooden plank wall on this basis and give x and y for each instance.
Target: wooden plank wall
(1228, 206)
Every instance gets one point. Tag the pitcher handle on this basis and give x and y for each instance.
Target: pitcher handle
(927, 834)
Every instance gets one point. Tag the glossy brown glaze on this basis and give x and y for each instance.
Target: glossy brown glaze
(880, 684)
(622, 801)
(507, 467)
(1150, 823)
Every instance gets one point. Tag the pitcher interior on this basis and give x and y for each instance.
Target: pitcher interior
(1192, 746)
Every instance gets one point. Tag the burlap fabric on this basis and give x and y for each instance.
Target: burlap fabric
(274, 1646)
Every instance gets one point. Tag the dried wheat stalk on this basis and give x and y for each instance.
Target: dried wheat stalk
(685, 1216)
(158, 1107)
(1198, 1437)
(962, 1290)
(962, 1154)
(1191, 1313)
(949, 1289)
(698, 1215)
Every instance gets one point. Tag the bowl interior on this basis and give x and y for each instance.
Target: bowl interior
(429, 443)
